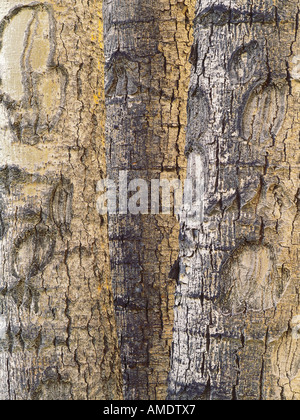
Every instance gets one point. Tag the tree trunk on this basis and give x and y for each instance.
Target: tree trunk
(57, 327)
(147, 73)
(237, 312)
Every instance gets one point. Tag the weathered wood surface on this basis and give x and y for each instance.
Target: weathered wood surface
(237, 314)
(57, 327)
(86, 312)
(147, 46)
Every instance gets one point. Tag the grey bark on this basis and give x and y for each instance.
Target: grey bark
(146, 58)
(237, 303)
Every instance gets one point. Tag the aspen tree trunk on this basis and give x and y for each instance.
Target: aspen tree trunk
(57, 328)
(147, 46)
(237, 312)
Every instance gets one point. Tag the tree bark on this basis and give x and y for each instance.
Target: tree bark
(57, 326)
(86, 302)
(147, 45)
(237, 314)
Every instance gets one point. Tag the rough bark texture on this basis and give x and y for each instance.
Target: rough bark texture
(57, 328)
(147, 73)
(237, 315)
(237, 303)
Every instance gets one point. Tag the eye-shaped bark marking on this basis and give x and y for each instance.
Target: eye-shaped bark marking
(243, 63)
(263, 113)
(32, 84)
(198, 119)
(122, 76)
(32, 253)
(250, 280)
(61, 205)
